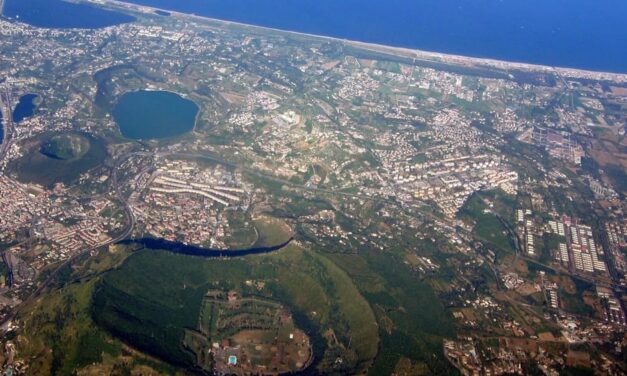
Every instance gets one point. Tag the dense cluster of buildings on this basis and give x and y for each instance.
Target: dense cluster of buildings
(19, 206)
(558, 145)
(41, 228)
(580, 251)
(183, 201)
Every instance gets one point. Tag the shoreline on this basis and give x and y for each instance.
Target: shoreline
(417, 54)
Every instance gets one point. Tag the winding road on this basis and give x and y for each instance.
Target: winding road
(131, 221)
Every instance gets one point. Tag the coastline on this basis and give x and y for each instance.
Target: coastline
(428, 56)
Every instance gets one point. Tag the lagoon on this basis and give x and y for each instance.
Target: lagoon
(59, 14)
(143, 115)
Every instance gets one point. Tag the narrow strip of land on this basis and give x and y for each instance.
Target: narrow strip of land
(427, 56)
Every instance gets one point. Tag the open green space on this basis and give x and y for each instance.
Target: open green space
(486, 225)
(220, 320)
(154, 296)
(271, 231)
(63, 339)
(412, 320)
(243, 233)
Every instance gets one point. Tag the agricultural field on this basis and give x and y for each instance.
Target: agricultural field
(487, 226)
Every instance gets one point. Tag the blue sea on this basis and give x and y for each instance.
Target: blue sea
(587, 34)
(62, 15)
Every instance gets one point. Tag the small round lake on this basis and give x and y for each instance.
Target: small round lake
(25, 108)
(146, 114)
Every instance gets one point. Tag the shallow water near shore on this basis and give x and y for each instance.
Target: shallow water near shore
(58, 14)
(566, 33)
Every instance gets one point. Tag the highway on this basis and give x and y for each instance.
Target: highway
(126, 233)
(288, 183)
(7, 122)
(116, 191)
(53, 275)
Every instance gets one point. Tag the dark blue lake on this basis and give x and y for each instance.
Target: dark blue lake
(587, 34)
(143, 115)
(63, 15)
(25, 107)
(191, 250)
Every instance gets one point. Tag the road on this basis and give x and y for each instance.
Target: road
(7, 122)
(262, 175)
(303, 187)
(115, 190)
(130, 217)
(127, 232)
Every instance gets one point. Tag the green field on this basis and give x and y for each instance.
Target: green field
(243, 233)
(487, 227)
(63, 339)
(271, 232)
(155, 295)
(412, 321)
